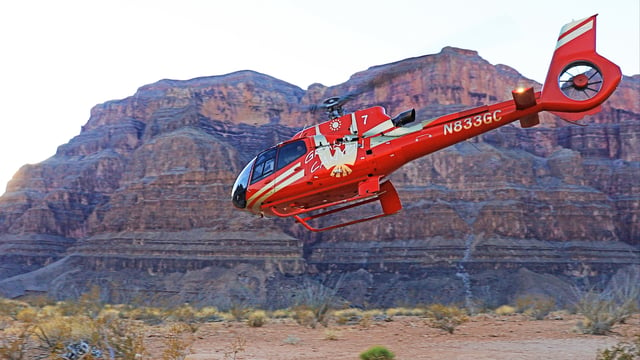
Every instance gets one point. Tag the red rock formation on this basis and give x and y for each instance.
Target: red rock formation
(144, 189)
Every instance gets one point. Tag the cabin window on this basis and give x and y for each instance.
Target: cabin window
(288, 153)
(265, 163)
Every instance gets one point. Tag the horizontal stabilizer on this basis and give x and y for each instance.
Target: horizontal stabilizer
(578, 115)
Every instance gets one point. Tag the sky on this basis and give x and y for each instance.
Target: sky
(60, 58)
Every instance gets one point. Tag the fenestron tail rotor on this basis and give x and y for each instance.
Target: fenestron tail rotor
(580, 81)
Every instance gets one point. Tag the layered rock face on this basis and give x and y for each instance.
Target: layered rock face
(139, 201)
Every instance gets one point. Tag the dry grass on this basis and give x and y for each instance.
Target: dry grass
(45, 329)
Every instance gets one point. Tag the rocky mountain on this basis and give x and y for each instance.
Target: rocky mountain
(138, 203)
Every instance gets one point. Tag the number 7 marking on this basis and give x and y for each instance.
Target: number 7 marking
(364, 119)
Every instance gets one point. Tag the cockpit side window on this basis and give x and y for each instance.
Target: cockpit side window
(290, 152)
(264, 165)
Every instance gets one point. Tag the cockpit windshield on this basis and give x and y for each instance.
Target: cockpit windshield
(239, 190)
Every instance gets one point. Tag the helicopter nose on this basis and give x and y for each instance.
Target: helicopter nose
(239, 197)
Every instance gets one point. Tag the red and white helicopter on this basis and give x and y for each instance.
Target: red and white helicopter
(345, 162)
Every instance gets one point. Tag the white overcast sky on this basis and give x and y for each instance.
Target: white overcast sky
(60, 58)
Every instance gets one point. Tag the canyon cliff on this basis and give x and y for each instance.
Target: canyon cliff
(139, 202)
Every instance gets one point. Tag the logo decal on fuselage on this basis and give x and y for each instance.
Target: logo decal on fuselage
(340, 156)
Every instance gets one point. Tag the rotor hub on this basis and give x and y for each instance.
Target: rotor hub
(580, 81)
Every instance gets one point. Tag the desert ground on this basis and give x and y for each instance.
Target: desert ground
(408, 337)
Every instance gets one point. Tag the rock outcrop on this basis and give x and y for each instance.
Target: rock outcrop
(139, 203)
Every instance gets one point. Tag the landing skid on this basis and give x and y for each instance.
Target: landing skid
(388, 197)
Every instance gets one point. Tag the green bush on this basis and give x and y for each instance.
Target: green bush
(377, 353)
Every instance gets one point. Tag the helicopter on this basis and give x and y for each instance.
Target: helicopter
(345, 162)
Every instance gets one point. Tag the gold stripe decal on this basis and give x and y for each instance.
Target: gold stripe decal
(270, 188)
(280, 186)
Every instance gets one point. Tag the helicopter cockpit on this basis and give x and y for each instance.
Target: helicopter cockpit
(263, 165)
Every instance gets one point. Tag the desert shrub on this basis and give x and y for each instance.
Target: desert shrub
(376, 314)
(404, 311)
(237, 346)
(5, 322)
(346, 316)
(27, 315)
(52, 334)
(107, 333)
(281, 314)
(149, 315)
(600, 313)
(177, 344)
(208, 314)
(621, 351)
(505, 310)
(67, 308)
(377, 353)
(536, 306)
(38, 301)
(14, 342)
(603, 309)
(257, 318)
(319, 300)
(89, 303)
(49, 311)
(445, 317)
(227, 316)
(366, 320)
(185, 313)
(239, 311)
(305, 316)
(330, 334)
(11, 307)
(109, 314)
(121, 337)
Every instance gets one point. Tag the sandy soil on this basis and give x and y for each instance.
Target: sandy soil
(482, 337)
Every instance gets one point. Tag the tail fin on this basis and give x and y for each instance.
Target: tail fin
(579, 79)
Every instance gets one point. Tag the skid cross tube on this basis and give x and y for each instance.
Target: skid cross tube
(304, 221)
